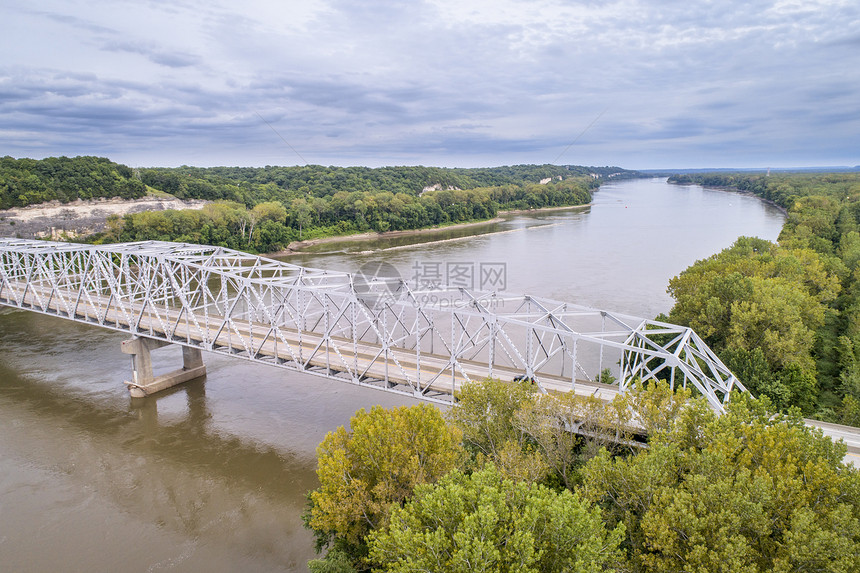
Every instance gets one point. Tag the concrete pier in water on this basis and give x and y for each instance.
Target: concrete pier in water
(143, 383)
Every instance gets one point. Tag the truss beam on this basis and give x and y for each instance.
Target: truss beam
(389, 336)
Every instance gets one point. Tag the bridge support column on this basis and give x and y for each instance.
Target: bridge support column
(143, 382)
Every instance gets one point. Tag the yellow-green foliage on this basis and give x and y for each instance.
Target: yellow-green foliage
(485, 410)
(485, 522)
(377, 462)
(747, 491)
(760, 299)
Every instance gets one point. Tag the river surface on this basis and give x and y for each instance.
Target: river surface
(212, 476)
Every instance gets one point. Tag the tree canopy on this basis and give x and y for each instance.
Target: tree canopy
(747, 491)
(759, 306)
(377, 462)
(484, 522)
(258, 226)
(785, 317)
(26, 182)
(750, 490)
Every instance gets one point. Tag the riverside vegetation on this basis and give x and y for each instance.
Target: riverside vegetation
(498, 483)
(785, 316)
(265, 209)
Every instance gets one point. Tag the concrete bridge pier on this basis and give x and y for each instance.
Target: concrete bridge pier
(143, 383)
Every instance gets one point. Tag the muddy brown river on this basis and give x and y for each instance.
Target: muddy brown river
(212, 476)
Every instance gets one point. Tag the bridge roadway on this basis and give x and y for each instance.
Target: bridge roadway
(148, 290)
(309, 351)
(309, 344)
(848, 434)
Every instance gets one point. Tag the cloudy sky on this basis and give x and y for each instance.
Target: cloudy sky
(640, 84)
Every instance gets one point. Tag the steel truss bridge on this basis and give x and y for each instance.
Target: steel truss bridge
(374, 331)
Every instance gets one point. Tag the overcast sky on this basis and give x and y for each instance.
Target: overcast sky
(640, 84)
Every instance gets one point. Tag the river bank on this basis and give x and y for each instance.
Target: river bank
(68, 221)
(732, 189)
(773, 204)
(297, 247)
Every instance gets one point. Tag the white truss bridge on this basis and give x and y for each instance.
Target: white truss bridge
(370, 331)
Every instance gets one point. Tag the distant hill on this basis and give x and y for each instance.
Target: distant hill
(251, 185)
(31, 181)
(26, 182)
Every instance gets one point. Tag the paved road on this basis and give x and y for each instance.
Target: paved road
(431, 373)
(850, 435)
(343, 358)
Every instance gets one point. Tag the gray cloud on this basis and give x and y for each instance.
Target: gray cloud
(435, 82)
(164, 58)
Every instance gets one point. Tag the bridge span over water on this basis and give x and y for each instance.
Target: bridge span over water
(374, 331)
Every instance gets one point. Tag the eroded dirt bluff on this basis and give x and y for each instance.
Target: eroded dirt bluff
(56, 220)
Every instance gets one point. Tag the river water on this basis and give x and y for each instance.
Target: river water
(212, 476)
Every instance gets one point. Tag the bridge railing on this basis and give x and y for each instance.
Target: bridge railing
(375, 331)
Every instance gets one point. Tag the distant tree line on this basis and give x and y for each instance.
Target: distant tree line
(785, 317)
(272, 224)
(782, 189)
(29, 181)
(252, 185)
(32, 181)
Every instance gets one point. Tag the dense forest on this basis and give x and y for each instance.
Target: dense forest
(30, 181)
(252, 185)
(499, 483)
(271, 225)
(785, 317)
(26, 182)
(265, 209)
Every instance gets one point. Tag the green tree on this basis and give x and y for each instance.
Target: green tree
(486, 522)
(379, 461)
(484, 412)
(757, 296)
(268, 211)
(568, 429)
(335, 561)
(301, 213)
(747, 491)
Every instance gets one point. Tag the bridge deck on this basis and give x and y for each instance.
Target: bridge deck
(433, 365)
(374, 332)
(306, 351)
